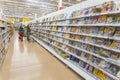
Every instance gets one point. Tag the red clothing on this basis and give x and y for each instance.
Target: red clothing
(20, 35)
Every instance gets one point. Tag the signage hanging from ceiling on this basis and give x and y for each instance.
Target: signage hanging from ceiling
(12, 20)
(20, 19)
(26, 20)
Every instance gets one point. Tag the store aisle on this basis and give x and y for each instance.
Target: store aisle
(29, 61)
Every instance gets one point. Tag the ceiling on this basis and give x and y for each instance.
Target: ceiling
(30, 8)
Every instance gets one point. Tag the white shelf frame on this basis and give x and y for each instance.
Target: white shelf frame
(97, 24)
(71, 9)
(75, 68)
(91, 35)
(112, 61)
(93, 44)
(5, 38)
(82, 16)
(96, 66)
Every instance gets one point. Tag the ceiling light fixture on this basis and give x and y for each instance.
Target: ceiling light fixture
(79, 0)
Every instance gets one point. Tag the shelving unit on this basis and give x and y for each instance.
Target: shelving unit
(5, 37)
(75, 68)
(84, 38)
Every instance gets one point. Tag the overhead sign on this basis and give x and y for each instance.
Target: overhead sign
(20, 19)
(12, 20)
(26, 20)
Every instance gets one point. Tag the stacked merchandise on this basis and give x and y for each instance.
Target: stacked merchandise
(89, 39)
(4, 39)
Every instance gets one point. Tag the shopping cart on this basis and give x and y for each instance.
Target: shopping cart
(20, 36)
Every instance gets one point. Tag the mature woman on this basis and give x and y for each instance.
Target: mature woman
(28, 32)
(21, 32)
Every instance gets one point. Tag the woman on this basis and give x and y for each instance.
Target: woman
(28, 32)
(21, 33)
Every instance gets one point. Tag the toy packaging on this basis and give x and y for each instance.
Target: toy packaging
(118, 18)
(99, 41)
(96, 50)
(103, 64)
(105, 53)
(95, 19)
(99, 74)
(84, 46)
(113, 18)
(115, 55)
(89, 47)
(101, 30)
(88, 30)
(88, 39)
(111, 5)
(79, 29)
(109, 19)
(85, 56)
(104, 7)
(74, 28)
(94, 30)
(103, 19)
(117, 32)
(78, 53)
(93, 59)
(106, 42)
(115, 45)
(83, 29)
(113, 70)
(109, 31)
(90, 69)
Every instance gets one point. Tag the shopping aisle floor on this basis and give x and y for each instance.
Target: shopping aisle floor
(30, 61)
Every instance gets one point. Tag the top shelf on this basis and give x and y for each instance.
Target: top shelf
(81, 16)
(115, 25)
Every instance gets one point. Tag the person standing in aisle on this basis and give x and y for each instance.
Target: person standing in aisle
(21, 32)
(28, 32)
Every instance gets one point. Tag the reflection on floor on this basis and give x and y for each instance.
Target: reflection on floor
(29, 61)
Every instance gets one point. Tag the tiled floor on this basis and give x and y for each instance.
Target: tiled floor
(29, 61)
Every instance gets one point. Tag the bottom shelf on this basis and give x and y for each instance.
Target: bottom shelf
(82, 73)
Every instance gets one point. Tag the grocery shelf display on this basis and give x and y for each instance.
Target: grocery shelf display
(87, 39)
